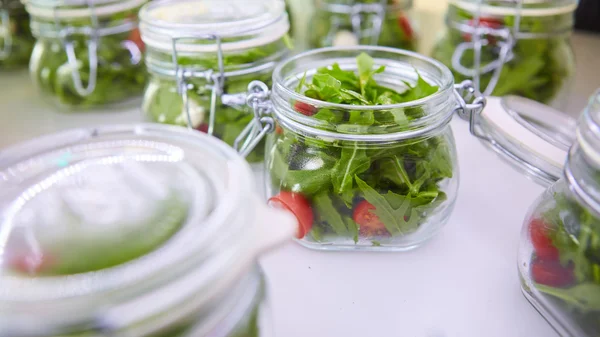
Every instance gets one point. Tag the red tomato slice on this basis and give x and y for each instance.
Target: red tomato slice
(552, 273)
(485, 22)
(136, 37)
(202, 128)
(278, 130)
(299, 206)
(544, 249)
(369, 222)
(406, 27)
(31, 264)
(305, 109)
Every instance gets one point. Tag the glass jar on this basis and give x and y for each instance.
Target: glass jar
(88, 53)
(201, 57)
(364, 177)
(559, 255)
(511, 48)
(141, 230)
(364, 22)
(16, 41)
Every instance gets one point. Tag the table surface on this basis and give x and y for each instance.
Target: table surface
(462, 283)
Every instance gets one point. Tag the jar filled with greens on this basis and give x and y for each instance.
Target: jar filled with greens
(362, 153)
(362, 22)
(559, 256)
(511, 48)
(88, 52)
(135, 230)
(16, 41)
(201, 56)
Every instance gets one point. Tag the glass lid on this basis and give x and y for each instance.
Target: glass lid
(531, 136)
(195, 25)
(511, 7)
(66, 9)
(89, 217)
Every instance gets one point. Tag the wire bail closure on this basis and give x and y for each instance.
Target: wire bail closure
(7, 36)
(467, 92)
(92, 45)
(215, 81)
(358, 12)
(259, 100)
(478, 41)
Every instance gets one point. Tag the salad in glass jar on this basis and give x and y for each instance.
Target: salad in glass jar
(16, 41)
(87, 55)
(511, 50)
(362, 154)
(371, 22)
(201, 57)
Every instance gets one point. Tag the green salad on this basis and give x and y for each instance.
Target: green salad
(164, 104)
(566, 261)
(83, 251)
(333, 29)
(346, 191)
(540, 68)
(19, 45)
(120, 73)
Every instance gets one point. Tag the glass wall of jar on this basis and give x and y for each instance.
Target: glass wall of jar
(141, 230)
(559, 256)
(201, 56)
(365, 22)
(511, 48)
(88, 52)
(16, 41)
(362, 153)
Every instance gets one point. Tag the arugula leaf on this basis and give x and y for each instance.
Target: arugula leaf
(329, 214)
(353, 161)
(585, 297)
(399, 218)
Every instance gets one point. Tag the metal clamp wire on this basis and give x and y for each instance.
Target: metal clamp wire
(215, 81)
(258, 100)
(467, 92)
(356, 11)
(7, 36)
(92, 46)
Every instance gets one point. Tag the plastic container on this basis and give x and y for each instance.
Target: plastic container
(203, 54)
(88, 54)
(364, 176)
(16, 41)
(141, 230)
(511, 48)
(342, 23)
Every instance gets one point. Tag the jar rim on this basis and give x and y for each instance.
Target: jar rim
(72, 9)
(75, 293)
(553, 7)
(444, 87)
(334, 6)
(267, 23)
(444, 98)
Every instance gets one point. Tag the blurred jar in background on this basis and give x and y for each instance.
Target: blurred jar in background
(88, 54)
(511, 49)
(201, 56)
(364, 22)
(16, 41)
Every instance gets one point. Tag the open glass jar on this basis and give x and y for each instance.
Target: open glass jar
(142, 230)
(16, 41)
(366, 22)
(88, 52)
(372, 177)
(511, 47)
(201, 57)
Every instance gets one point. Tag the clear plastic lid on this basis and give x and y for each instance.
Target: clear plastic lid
(194, 25)
(531, 136)
(92, 220)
